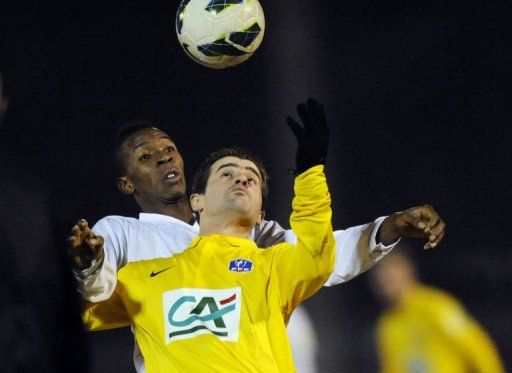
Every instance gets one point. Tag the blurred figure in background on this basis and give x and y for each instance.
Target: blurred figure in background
(425, 329)
(303, 341)
(40, 312)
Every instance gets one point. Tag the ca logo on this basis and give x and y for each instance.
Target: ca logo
(191, 312)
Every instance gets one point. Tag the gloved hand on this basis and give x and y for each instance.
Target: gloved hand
(312, 135)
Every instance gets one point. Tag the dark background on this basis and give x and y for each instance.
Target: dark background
(417, 95)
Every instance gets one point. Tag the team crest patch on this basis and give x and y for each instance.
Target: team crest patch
(240, 265)
(191, 312)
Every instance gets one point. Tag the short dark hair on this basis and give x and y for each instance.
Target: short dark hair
(122, 136)
(203, 173)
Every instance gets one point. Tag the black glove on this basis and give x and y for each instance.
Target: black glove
(313, 135)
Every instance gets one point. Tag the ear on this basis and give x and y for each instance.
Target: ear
(125, 185)
(261, 217)
(197, 202)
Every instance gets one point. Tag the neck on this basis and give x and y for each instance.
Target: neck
(237, 228)
(180, 210)
(406, 290)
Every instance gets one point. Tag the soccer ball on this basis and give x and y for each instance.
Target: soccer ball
(220, 33)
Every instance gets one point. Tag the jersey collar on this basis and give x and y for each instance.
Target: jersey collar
(224, 240)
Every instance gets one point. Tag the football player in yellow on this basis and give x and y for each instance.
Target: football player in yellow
(223, 304)
(425, 329)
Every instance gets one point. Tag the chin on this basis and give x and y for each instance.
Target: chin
(239, 207)
(242, 212)
(175, 195)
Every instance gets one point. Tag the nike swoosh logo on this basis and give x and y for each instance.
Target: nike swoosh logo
(153, 273)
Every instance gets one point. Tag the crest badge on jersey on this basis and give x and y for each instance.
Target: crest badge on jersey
(240, 265)
(190, 312)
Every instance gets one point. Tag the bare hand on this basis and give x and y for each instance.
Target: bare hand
(84, 245)
(417, 222)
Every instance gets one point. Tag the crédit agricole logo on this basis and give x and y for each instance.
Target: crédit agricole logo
(191, 312)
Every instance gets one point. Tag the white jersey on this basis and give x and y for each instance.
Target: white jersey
(155, 236)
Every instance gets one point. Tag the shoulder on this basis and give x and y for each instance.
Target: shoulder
(442, 307)
(436, 298)
(115, 220)
(114, 223)
(142, 266)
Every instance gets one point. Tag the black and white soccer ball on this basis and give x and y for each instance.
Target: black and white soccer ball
(220, 33)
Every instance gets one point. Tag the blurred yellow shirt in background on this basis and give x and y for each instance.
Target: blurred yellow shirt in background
(429, 331)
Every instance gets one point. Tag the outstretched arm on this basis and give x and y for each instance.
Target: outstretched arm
(96, 275)
(359, 248)
(302, 269)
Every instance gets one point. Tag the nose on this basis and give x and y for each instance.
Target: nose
(242, 179)
(163, 159)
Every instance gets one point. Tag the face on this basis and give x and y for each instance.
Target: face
(234, 188)
(394, 275)
(154, 168)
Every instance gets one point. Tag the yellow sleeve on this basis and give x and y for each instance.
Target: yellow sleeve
(108, 314)
(469, 337)
(302, 269)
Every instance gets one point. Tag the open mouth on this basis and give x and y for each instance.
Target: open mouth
(171, 176)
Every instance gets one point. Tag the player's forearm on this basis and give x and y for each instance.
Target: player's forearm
(98, 285)
(304, 267)
(389, 232)
(357, 250)
(311, 216)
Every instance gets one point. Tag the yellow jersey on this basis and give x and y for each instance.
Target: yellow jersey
(430, 332)
(223, 304)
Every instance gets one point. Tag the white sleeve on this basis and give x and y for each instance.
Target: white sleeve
(114, 230)
(356, 250)
(100, 284)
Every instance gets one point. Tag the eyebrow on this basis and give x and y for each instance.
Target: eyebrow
(138, 145)
(252, 169)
